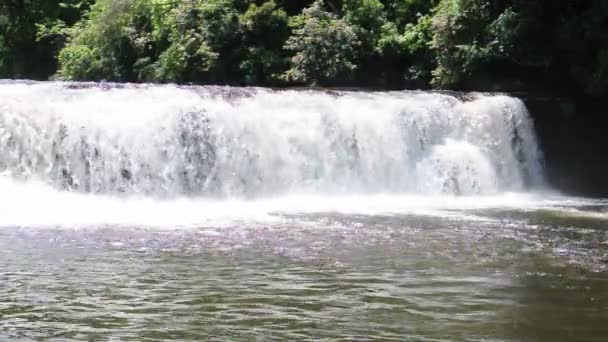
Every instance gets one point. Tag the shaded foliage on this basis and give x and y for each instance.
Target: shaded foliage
(265, 30)
(467, 36)
(324, 47)
(23, 54)
(462, 44)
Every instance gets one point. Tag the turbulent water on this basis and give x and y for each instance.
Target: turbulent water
(152, 213)
(224, 142)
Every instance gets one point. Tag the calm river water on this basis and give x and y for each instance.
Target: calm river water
(490, 274)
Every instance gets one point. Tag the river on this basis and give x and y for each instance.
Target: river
(154, 213)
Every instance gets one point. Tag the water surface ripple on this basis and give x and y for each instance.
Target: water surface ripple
(513, 275)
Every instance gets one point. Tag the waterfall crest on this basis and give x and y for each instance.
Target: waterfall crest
(170, 141)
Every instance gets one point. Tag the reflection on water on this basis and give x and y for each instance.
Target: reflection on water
(537, 275)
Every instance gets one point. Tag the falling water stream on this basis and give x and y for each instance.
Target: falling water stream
(150, 213)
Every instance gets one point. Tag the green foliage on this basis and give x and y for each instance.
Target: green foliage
(185, 41)
(324, 46)
(198, 34)
(364, 14)
(21, 54)
(367, 18)
(80, 62)
(104, 46)
(479, 44)
(404, 12)
(467, 37)
(503, 33)
(417, 40)
(265, 31)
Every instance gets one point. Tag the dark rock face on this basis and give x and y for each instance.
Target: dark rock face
(573, 134)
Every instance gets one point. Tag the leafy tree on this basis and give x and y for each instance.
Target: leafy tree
(324, 46)
(366, 15)
(462, 44)
(200, 35)
(21, 54)
(367, 18)
(265, 31)
(466, 36)
(104, 45)
(153, 40)
(404, 12)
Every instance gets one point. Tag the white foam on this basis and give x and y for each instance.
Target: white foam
(168, 142)
(76, 155)
(37, 205)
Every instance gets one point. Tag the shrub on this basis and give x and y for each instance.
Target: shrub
(324, 46)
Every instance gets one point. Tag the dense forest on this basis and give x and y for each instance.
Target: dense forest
(458, 44)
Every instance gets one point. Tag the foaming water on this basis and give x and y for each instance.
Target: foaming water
(76, 210)
(171, 142)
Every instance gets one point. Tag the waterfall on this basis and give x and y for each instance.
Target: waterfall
(221, 142)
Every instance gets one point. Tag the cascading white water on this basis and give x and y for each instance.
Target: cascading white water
(169, 141)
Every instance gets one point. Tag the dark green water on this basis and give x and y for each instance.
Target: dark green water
(484, 275)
